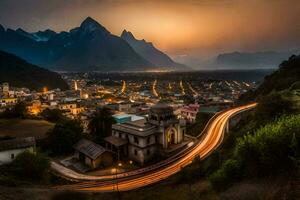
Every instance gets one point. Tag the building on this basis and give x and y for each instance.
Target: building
(92, 154)
(5, 89)
(10, 148)
(70, 109)
(146, 137)
(189, 112)
(8, 101)
(35, 107)
(122, 118)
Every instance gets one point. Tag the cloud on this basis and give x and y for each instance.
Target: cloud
(176, 26)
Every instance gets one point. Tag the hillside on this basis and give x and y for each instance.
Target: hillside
(288, 75)
(87, 47)
(20, 73)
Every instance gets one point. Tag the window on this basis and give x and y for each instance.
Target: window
(148, 140)
(135, 152)
(12, 156)
(136, 140)
(148, 152)
(156, 139)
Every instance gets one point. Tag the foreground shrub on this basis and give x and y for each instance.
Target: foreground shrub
(229, 172)
(276, 144)
(30, 166)
(272, 150)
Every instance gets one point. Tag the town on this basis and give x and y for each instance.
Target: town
(147, 118)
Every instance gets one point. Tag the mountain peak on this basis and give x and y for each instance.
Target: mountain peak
(127, 35)
(89, 20)
(90, 25)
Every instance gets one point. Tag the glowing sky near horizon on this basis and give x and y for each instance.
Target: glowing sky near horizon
(176, 27)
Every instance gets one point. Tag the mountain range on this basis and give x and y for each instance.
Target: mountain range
(87, 47)
(264, 59)
(19, 73)
(149, 52)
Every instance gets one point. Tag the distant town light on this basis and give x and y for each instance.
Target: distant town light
(45, 89)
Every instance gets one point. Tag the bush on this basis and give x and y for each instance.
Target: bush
(18, 111)
(200, 122)
(271, 106)
(272, 145)
(30, 166)
(272, 150)
(52, 115)
(229, 172)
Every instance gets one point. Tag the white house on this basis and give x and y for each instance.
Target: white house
(10, 148)
(142, 139)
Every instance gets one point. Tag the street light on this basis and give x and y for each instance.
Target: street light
(119, 165)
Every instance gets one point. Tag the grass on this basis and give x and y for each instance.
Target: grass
(24, 128)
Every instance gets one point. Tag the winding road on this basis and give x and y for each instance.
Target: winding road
(214, 133)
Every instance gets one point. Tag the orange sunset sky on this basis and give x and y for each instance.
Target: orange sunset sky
(186, 27)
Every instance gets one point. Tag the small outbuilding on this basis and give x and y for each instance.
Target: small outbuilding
(92, 154)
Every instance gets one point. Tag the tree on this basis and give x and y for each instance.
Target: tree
(17, 111)
(52, 115)
(200, 122)
(101, 123)
(271, 106)
(30, 166)
(63, 136)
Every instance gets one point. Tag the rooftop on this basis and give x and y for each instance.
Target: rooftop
(116, 141)
(89, 148)
(138, 127)
(17, 143)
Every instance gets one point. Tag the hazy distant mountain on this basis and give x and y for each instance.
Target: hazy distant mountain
(286, 77)
(19, 73)
(150, 53)
(88, 47)
(267, 59)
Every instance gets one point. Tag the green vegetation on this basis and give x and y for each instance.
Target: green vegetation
(272, 106)
(52, 115)
(255, 155)
(17, 111)
(101, 123)
(19, 73)
(30, 166)
(63, 136)
(285, 77)
(27, 166)
(265, 144)
(201, 121)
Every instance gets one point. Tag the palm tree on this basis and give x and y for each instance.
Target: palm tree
(101, 123)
